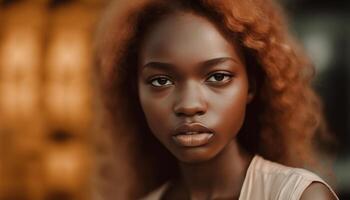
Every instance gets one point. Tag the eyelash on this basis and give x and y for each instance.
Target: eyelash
(224, 74)
(155, 81)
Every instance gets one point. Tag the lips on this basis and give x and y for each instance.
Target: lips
(192, 135)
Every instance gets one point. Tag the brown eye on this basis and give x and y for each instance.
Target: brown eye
(219, 77)
(160, 82)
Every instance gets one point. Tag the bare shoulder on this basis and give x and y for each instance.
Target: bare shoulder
(317, 190)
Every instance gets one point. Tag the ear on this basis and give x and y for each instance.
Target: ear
(251, 90)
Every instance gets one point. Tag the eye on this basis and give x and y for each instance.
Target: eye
(160, 82)
(219, 77)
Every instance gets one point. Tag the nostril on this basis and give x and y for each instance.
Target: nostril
(200, 112)
(189, 111)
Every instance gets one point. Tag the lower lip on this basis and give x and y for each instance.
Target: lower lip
(193, 140)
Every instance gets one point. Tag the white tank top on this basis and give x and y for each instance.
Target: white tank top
(266, 180)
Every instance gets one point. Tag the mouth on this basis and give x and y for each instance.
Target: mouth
(192, 135)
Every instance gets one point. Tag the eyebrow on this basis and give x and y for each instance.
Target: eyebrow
(216, 61)
(204, 64)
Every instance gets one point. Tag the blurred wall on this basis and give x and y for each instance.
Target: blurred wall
(46, 99)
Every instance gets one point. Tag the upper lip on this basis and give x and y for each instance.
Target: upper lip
(192, 127)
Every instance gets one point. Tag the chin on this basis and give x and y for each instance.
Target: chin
(195, 155)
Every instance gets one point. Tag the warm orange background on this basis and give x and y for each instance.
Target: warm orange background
(46, 102)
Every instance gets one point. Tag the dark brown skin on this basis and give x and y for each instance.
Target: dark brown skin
(190, 73)
(317, 190)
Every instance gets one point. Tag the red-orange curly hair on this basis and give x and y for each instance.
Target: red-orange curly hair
(281, 122)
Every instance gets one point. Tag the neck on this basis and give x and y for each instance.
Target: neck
(221, 177)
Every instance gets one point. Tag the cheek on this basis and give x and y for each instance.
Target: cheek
(155, 109)
(231, 107)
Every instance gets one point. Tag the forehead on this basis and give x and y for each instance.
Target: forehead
(185, 37)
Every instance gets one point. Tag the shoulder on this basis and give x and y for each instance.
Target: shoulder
(271, 169)
(284, 182)
(317, 190)
(274, 169)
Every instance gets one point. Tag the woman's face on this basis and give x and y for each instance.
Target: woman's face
(193, 87)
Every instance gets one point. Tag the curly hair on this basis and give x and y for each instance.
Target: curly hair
(283, 119)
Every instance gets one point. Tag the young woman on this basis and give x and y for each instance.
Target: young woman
(211, 100)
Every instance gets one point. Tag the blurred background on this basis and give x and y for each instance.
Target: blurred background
(49, 109)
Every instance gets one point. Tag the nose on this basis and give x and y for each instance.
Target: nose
(190, 101)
